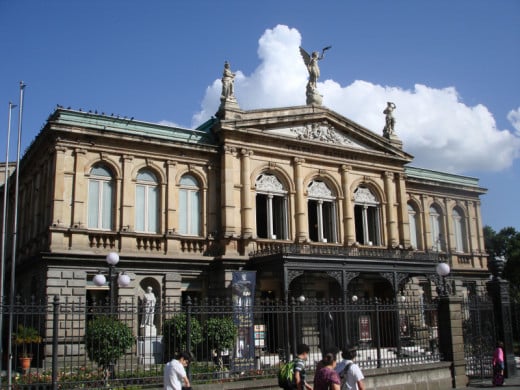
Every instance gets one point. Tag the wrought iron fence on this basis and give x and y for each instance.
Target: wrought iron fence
(229, 340)
(479, 335)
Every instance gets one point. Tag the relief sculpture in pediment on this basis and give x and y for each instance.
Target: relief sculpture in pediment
(320, 132)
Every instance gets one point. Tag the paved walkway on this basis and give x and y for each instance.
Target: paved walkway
(509, 383)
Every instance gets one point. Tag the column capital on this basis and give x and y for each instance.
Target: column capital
(229, 149)
(388, 175)
(246, 152)
(79, 151)
(346, 168)
(299, 160)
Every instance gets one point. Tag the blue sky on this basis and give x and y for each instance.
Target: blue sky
(451, 67)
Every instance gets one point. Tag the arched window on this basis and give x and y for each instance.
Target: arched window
(100, 198)
(367, 217)
(413, 219)
(189, 206)
(146, 202)
(271, 208)
(437, 232)
(321, 211)
(459, 230)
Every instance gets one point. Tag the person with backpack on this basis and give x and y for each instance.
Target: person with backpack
(292, 375)
(349, 372)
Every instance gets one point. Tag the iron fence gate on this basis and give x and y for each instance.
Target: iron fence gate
(388, 334)
(478, 321)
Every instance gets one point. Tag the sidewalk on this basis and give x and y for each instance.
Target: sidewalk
(509, 383)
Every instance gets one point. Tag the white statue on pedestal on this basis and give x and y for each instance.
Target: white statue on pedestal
(149, 308)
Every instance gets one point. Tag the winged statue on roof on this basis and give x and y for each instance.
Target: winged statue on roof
(311, 62)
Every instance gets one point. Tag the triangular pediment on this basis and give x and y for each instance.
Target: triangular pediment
(317, 125)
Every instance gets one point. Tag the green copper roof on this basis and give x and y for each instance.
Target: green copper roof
(426, 174)
(133, 127)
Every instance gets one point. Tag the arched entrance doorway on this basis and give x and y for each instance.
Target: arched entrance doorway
(318, 318)
(375, 293)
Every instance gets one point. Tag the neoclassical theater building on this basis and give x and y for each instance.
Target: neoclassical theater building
(310, 200)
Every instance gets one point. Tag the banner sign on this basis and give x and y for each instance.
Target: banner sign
(243, 294)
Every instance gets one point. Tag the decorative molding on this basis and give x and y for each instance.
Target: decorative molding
(321, 132)
(336, 275)
(364, 195)
(269, 183)
(318, 189)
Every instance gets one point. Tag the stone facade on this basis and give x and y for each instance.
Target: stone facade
(184, 208)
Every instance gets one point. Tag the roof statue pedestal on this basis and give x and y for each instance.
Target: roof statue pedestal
(311, 62)
(389, 129)
(229, 108)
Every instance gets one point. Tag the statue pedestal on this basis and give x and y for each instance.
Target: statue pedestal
(149, 349)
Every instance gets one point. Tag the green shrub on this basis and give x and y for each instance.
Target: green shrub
(107, 339)
(221, 333)
(174, 335)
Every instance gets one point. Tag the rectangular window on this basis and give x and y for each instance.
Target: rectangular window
(93, 204)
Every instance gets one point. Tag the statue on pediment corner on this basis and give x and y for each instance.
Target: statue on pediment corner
(228, 83)
(389, 130)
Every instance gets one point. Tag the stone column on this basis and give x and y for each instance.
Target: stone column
(447, 221)
(79, 190)
(127, 218)
(171, 225)
(391, 224)
(402, 210)
(349, 228)
(128, 193)
(228, 204)
(301, 225)
(245, 179)
(59, 186)
(451, 342)
(498, 289)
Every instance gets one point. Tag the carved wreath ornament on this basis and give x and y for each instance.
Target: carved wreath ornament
(320, 132)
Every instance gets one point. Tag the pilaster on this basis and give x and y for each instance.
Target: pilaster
(79, 190)
(228, 204)
(59, 186)
(348, 210)
(391, 223)
(301, 226)
(402, 209)
(247, 209)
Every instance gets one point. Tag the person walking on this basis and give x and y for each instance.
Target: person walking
(326, 378)
(498, 364)
(175, 377)
(302, 352)
(350, 373)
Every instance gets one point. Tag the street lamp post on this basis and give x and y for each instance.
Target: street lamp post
(443, 270)
(123, 280)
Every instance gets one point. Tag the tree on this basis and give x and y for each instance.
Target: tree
(221, 333)
(506, 243)
(106, 340)
(174, 332)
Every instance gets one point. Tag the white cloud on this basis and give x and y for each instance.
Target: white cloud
(514, 117)
(435, 126)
